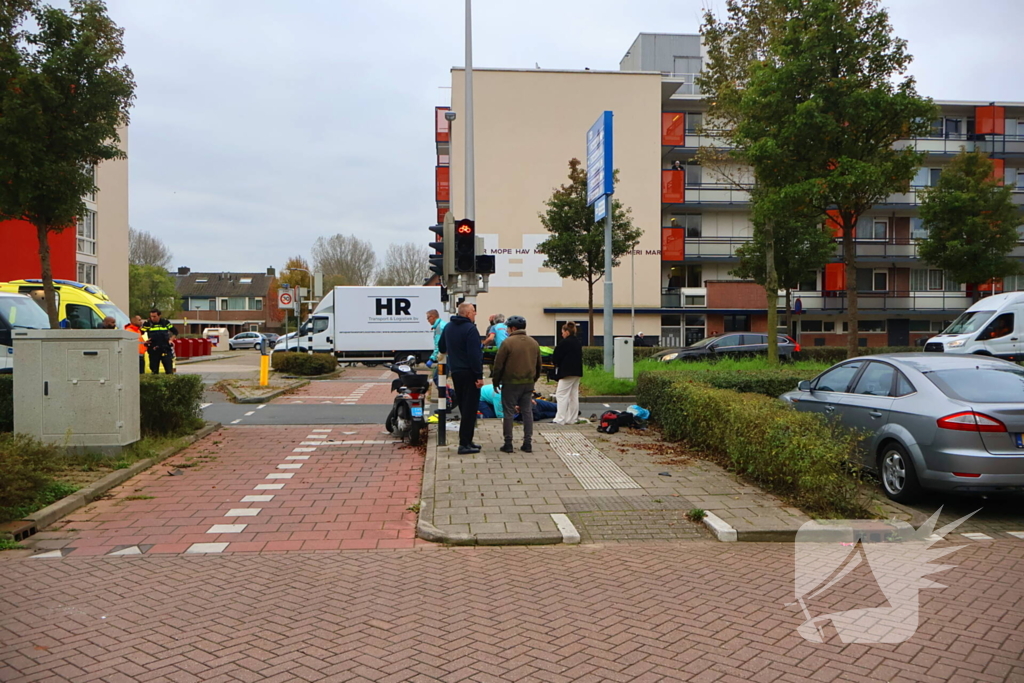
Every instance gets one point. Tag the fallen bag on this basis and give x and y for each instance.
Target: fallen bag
(612, 420)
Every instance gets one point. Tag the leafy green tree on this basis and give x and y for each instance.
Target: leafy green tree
(971, 220)
(575, 249)
(151, 287)
(801, 247)
(813, 98)
(65, 95)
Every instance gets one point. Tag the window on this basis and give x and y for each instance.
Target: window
(693, 122)
(87, 233)
(729, 340)
(872, 229)
(82, 318)
(876, 380)
(937, 128)
(810, 326)
(838, 378)
(954, 127)
(199, 304)
(998, 328)
(319, 325)
(255, 303)
(87, 273)
(736, 323)
(871, 326)
(234, 303)
(254, 328)
(903, 385)
(694, 175)
(927, 177)
(982, 385)
(809, 282)
(918, 231)
(691, 222)
(223, 304)
(879, 280)
(201, 280)
(245, 281)
(922, 280)
(90, 169)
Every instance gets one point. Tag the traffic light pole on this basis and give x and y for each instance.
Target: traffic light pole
(608, 290)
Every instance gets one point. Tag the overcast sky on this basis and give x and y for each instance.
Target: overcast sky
(261, 125)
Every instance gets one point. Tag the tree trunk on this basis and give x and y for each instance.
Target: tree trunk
(771, 290)
(590, 310)
(850, 260)
(49, 295)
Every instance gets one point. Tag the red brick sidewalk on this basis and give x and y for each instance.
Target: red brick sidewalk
(258, 489)
(358, 386)
(698, 612)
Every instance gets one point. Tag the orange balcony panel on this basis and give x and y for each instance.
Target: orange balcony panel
(998, 170)
(673, 184)
(441, 125)
(832, 221)
(990, 120)
(673, 244)
(443, 186)
(835, 277)
(993, 286)
(673, 128)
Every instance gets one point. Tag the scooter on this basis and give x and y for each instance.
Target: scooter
(406, 419)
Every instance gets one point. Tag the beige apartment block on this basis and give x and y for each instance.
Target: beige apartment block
(102, 246)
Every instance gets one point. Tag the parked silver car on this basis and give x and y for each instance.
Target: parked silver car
(934, 421)
(249, 340)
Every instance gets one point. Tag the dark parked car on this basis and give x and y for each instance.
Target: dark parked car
(732, 344)
(935, 421)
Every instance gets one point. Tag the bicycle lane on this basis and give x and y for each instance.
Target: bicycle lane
(256, 489)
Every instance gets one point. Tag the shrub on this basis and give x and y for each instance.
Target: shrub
(28, 466)
(170, 404)
(799, 456)
(593, 356)
(834, 354)
(304, 363)
(6, 403)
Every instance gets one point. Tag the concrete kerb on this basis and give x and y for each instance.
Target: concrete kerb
(426, 530)
(206, 359)
(261, 398)
(608, 399)
(82, 497)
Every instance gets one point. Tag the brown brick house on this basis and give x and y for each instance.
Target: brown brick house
(237, 301)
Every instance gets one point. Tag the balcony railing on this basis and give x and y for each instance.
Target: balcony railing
(684, 297)
(886, 301)
(717, 193)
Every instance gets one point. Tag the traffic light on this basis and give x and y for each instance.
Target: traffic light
(443, 262)
(465, 246)
(437, 259)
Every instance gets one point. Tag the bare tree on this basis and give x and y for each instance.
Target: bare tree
(145, 249)
(404, 264)
(344, 260)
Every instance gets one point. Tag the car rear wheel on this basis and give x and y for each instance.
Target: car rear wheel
(899, 479)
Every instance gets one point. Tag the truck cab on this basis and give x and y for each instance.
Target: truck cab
(992, 327)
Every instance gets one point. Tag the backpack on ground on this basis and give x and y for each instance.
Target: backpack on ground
(612, 420)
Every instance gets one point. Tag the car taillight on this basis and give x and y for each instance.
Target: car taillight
(797, 349)
(970, 421)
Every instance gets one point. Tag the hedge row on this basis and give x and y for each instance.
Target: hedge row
(834, 354)
(593, 356)
(170, 404)
(303, 363)
(799, 456)
(768, 382)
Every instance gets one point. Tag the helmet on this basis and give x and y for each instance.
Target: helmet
(516, 321)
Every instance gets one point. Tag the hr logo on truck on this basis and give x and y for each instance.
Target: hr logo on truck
(394, 306)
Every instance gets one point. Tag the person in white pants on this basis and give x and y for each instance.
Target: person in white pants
(568, 361)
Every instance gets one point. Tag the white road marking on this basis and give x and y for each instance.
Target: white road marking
(1018, 534)
(303, 450)
(311, 443)
(281, 475)
(569, 533)
(48, 555)
(234, 422)
(261, 407)
(268, 487)
(134, 550)
(226, 528)
(202, 406)
(251, 412)
(290, 466)
(242, 512)
(196, 548)
(257, 499)
(297, 457)
(975, 536)
(322, 430)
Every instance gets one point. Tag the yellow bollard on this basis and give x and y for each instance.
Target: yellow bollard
(264, 370)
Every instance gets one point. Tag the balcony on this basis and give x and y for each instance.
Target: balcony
(920, 302)
(720, 194)
(684, 297)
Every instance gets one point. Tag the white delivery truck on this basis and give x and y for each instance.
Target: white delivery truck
(369, 324)
(992, 327)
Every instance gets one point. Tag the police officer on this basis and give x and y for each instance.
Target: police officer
(160, 331)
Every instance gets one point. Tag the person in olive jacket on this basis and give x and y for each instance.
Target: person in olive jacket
(568, 361)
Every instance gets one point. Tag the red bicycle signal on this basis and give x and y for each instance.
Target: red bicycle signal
(465, 229)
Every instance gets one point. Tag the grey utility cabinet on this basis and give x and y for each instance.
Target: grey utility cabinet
(78, 388)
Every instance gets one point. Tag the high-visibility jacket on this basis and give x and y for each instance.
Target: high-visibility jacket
(142, 337)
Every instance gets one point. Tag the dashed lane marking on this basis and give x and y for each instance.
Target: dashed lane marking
(280, 475)
(251, 412)
(268, 487)
(257, 499)
(234, 422)
(975, 536)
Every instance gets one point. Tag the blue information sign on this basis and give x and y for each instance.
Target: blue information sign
(599, 161)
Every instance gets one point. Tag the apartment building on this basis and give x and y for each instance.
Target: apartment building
(94, 252)
(237, 301)
(677, 285)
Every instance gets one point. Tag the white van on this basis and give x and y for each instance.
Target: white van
(992, 327)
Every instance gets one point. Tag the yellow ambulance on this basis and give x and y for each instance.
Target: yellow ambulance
(79, 306)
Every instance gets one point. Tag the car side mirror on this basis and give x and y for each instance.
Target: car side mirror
(804, 386)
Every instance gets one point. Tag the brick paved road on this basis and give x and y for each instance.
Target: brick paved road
(699, 611)
(258, 489)
(357, 386)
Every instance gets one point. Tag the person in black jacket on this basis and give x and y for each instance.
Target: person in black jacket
(568, 360)
(465, 357)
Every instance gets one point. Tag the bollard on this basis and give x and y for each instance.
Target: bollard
(264, 366)
(442, 405)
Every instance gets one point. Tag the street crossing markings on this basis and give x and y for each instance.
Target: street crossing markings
(268, 487)
(201, 548)
(303, 450)
(290, 466)
(975, 536)
(281, 475)
(297, 457)
(242, 512)
(257, 499)
(1017, 534)
(226, 528)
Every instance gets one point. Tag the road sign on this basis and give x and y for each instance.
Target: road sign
(285, 298)
(600, 208)
(599, 158)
